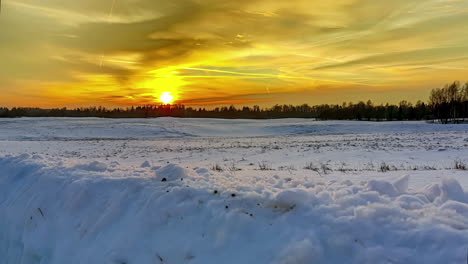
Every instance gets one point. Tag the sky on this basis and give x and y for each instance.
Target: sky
(219, 52)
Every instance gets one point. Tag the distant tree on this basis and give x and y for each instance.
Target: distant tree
(450, 103)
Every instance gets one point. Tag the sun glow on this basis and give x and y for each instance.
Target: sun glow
(166, 98)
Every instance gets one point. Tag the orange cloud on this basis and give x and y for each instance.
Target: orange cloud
(228, 52)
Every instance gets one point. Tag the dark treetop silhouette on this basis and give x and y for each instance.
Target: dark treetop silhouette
(447, 104)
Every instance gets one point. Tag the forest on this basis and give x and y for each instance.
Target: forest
(448, 104)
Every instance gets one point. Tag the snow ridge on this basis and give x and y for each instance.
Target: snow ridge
(58, 212)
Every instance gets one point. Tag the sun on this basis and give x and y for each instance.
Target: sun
(166, 98)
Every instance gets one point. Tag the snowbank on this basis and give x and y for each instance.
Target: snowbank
(59, 212)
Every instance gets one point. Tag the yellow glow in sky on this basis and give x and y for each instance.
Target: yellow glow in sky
(129, 52)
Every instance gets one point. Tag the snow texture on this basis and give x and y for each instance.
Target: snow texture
(87, 214)
(208, 191)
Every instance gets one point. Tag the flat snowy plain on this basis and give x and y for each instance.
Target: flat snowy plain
(202, 191)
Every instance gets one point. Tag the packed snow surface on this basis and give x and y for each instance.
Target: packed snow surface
(232, 191)
(97, 128)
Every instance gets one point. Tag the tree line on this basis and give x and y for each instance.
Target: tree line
(346, 111)
(447, 104)
(450, 103)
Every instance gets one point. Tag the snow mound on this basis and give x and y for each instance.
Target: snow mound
(401, 184)
(432, 191)
(145, 164)
(53, 213)
(451, 190)
(382, 187)
(171, 172)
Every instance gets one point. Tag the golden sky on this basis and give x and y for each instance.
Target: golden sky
(129, 52)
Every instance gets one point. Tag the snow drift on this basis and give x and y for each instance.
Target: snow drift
(59, 212)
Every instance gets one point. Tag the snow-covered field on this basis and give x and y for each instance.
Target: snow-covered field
(232, 191)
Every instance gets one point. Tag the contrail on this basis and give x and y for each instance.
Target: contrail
(245, 73)
(111, 11)
(279, 76)
(215, 76)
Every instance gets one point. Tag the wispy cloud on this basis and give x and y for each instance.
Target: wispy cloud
(127, 51)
